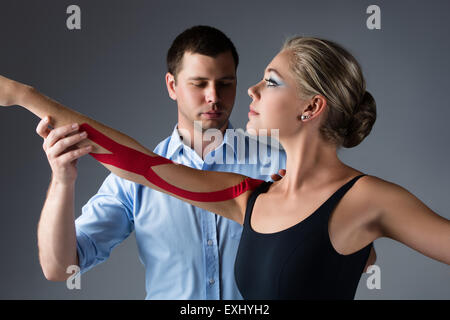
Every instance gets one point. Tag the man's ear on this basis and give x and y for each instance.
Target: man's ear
(170, 83)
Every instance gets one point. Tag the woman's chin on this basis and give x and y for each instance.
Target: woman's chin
(255, 130)
(250, 129)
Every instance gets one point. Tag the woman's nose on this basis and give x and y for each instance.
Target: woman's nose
(253, 91)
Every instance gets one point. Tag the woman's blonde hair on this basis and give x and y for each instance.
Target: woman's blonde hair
(325, 68)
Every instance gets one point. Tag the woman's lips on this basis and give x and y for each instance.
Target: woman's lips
(252, 112)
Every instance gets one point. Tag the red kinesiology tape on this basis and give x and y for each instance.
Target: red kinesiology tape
(135, 161)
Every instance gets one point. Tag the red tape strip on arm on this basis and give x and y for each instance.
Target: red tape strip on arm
(140, 163)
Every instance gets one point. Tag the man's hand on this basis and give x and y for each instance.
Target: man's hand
(61, 150)
(371, 260)
(279, 176)
(11, 92)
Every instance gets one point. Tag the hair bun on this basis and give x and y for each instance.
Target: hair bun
(362, 121)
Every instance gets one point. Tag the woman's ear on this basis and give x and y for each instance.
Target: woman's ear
(316, 106)
(171, 84)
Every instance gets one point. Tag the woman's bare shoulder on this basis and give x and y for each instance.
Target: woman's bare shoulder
(373, 185)
(380, 192)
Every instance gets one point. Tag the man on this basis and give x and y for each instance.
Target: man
(188, 253)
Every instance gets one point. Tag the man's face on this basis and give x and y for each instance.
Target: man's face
(205, 90)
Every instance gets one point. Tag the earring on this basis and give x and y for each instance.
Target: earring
(303, 117)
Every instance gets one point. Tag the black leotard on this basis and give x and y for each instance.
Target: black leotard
(299, 262)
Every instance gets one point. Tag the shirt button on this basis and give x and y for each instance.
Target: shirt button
(211, 281)
(210, 242)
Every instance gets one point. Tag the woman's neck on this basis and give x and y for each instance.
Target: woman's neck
(310, 163)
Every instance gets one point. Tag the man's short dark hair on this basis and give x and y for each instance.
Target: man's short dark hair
(203, 40)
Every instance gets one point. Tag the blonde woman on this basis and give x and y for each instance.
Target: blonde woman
(308, 235)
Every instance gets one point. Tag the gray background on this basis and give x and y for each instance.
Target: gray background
(113, 71)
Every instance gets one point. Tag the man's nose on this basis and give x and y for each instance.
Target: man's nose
(212, 94)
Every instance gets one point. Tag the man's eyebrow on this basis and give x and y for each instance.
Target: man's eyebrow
(206, 79)
(274, 71)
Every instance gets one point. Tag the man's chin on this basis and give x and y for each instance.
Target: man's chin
(217, 123)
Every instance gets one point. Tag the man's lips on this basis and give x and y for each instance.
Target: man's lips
(212, 114)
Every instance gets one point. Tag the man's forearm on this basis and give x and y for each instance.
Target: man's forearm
(56, 232)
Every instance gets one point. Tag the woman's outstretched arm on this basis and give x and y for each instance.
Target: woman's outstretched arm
(220, 192)
(403, 217)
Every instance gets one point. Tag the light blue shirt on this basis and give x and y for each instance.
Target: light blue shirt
(188, 252)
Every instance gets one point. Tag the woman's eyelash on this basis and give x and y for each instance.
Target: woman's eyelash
(271, 83)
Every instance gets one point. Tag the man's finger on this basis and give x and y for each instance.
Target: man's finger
(279, 176)
(60, 132)
(42, 128)
(275, 177)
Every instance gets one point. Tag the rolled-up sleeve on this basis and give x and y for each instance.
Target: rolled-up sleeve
(106, 220)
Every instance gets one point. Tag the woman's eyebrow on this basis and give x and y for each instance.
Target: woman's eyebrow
(274, 71)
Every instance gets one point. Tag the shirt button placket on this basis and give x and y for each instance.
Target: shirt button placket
(212, 258)
(211, 252)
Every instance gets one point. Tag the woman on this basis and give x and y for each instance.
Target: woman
(308, 235)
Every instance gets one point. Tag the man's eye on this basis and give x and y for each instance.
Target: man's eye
(199, 84)
(271, 83)
(225, 84)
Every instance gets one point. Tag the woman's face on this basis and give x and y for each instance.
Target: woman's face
(276, 103)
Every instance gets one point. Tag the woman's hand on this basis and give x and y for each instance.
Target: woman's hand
(11, 92)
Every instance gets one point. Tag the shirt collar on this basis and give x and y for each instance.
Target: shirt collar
(176, 144)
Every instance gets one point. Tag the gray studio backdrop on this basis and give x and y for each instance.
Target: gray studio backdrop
(113, 71)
